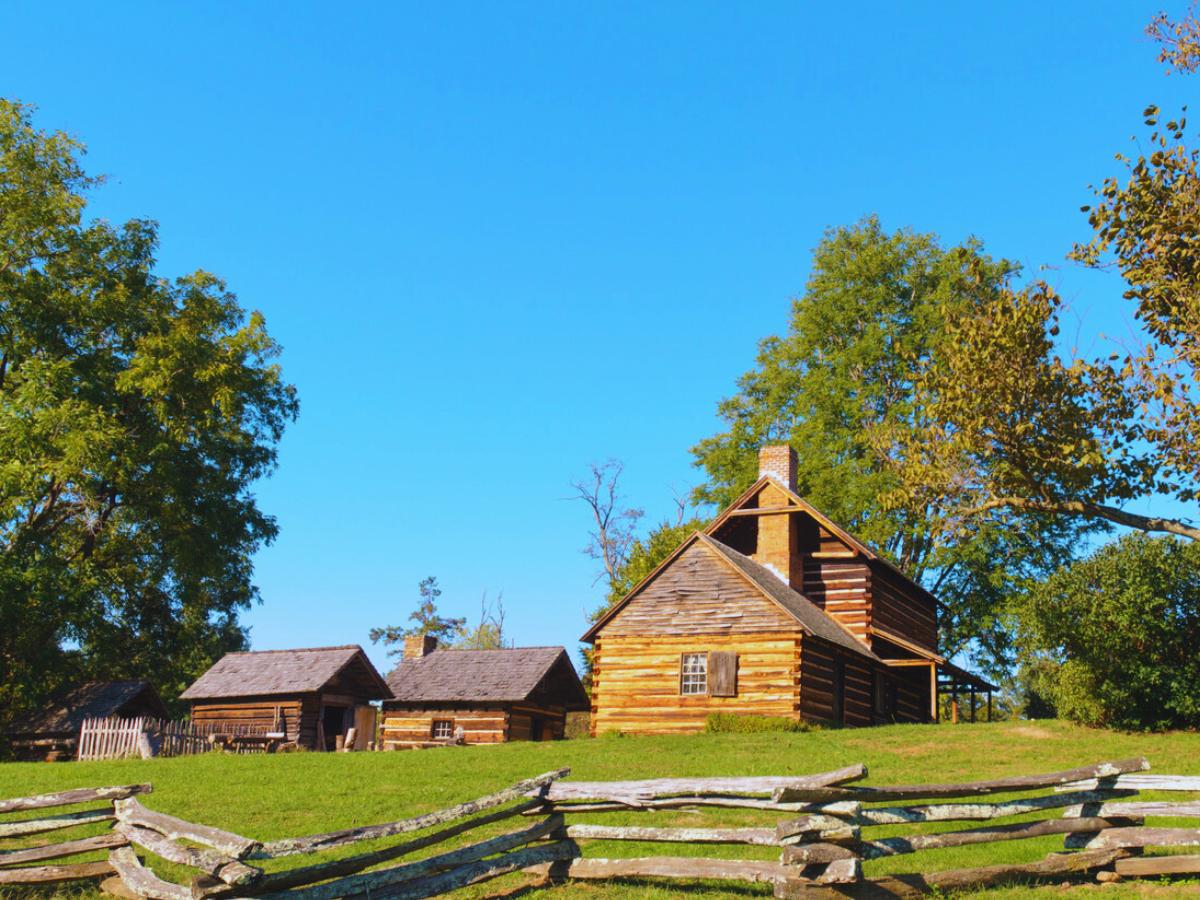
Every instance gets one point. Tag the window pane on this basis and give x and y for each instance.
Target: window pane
(443, 729)
(693, 677)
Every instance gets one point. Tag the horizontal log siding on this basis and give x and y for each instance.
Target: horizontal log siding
(843, 589)
(406, 727)
(299, 715)
(520, 722)
(897, 607)
(698, 594)
(912, 693)
(816, 696)
(635, 681)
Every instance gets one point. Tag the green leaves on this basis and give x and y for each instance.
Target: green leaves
(1110, 640)
(135, 415)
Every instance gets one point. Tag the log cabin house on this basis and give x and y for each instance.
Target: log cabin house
(311, 697)
(53, 733)
(772, 610)
(479, 696)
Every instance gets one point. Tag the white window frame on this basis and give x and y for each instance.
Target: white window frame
(448, 727)
(693, 674)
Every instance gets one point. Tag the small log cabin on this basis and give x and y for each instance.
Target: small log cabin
(53, 734)
(479, 696)
(310, 696)
(773, 610)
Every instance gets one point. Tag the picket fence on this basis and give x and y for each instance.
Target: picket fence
(116, 738)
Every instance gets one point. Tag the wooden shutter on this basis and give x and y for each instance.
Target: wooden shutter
(722, 674)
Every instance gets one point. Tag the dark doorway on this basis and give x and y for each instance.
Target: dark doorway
(839, 691)
(333, 721)
(536, 727)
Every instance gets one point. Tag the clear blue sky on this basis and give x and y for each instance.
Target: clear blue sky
(499, 241)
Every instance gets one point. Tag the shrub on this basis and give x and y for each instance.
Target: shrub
(731, 723)
(1111, 640)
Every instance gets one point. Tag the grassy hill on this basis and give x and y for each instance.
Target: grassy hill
(268, 797)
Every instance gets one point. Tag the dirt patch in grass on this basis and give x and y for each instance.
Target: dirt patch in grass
(1031, 731)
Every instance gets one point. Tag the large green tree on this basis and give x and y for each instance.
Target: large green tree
(1111, 640)
(873, 313)
(136, 414)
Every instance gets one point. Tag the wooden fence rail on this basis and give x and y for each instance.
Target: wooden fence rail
(823, 840)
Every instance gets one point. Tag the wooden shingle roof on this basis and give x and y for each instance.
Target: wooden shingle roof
(95, 699)
(263, 673)
(496, 676)
(811, 617)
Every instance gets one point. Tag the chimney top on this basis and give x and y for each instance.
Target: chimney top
(418, 645)
(778, 461)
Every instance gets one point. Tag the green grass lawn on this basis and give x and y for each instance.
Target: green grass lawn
(267, 797)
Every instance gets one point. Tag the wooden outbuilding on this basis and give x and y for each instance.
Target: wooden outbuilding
(773, 610)
(53, 733)
(312, 696)
(479, 696)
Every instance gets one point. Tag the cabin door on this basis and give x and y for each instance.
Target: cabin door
(333, 723)
(536, 728)
(839, 691)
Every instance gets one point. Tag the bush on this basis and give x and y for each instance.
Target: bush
(731, 723)
(1111, 640)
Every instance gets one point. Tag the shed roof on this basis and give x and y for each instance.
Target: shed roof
(497, 676)
(94, 699)
(262, 673)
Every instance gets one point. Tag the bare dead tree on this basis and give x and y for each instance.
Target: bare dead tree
(613, 533)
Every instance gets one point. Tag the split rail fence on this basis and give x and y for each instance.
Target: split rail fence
(820, 835)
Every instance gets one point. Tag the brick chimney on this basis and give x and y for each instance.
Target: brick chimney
(778, 461)
(777, 538)
(418, 645)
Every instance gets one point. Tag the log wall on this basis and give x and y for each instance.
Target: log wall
(818, 663)
(414, 727)
(900, 608)
(300, 715)
(635, 680)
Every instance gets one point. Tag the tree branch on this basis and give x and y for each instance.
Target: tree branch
(1090, 510)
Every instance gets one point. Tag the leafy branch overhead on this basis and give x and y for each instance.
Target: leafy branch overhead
(1014, 425)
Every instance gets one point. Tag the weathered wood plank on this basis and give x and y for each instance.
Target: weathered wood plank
(278, 881)
(816, 828)
(1135, 782)
(843, 808)
(55, 874)
(909, 887)
(1141, 836)
(131, 812)
(949, 812)
(632, 792)
(759, 836)
(76, 795)
(140, 880)
(965, 789)
(818, 852)
(1182, 809)
(373, 883)
(53, 823)
(1141, 866)
(687, 867)
(314, 842)
(895, 846)
(225, 868)
(67, 848)
(473, 873)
